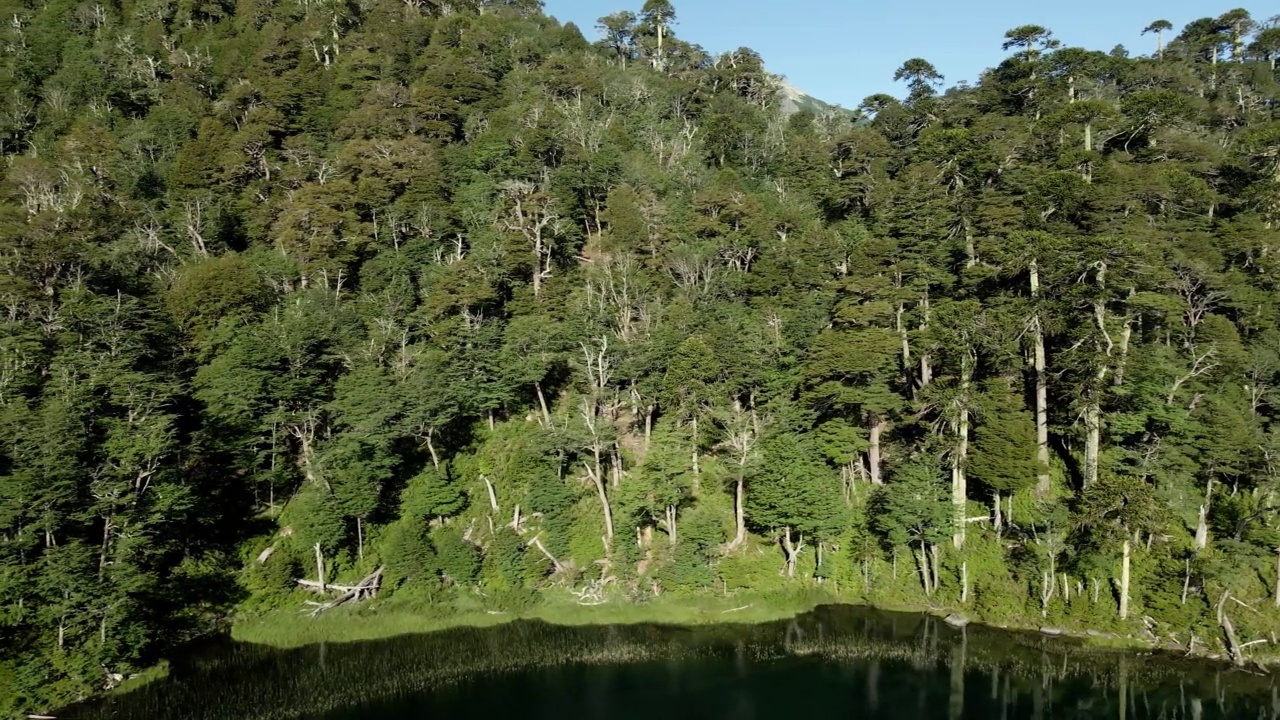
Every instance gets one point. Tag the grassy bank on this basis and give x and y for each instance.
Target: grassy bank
(286, 627)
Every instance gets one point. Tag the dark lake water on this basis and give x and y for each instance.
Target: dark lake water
(835, 662)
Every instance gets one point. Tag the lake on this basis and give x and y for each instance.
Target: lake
(834, 662)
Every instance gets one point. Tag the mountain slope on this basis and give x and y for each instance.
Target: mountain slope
(794, 100)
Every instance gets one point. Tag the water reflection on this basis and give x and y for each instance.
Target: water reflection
(834, 662)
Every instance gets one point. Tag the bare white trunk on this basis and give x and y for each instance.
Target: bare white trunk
(493, 496)
(542, 401)
(924, 570)
(970, 252)
(792, 550)
(937, 566)
(1042, 390)
(873, 454)
(959, 483)
(997, 514)
(739, 513)
(431, 448)
(906, 342)
(695, 445)
(320, 566)
(1126, 335)
(598, 481)
(1092, 441)
(1124, 580)
(1202, 528)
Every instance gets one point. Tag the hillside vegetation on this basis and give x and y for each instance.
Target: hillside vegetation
(447, 288)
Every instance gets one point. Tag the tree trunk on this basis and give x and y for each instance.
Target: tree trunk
(1092, 440)
(1124, 579)
(542, 402)
(107, 525)
(959, 483)
(970, 252)
(1229, 630)
(1042, 391)
(360, 537)
(431, 448)
(695, 445)
(320, 566)
(792, 550)
(906, 343)
(1202, 528)
(537, 268)
(671, 524)
(1125, 336)
(926, 365)
(997, 515)
(937, 567)
(739, 514)
(924, 570)
(873, 454)
(604, 502)
(493, 496)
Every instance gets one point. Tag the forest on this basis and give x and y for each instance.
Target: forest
(304, 290)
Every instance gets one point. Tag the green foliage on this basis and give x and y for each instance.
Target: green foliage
(430, 495)
(1004, 443)
(913, 508)
(458, 560)
(316, 518)
(503, 567)
(409, 553)
(794, 488)
(504, 311)
(278, 573)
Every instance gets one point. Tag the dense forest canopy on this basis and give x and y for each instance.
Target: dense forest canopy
(447, 288)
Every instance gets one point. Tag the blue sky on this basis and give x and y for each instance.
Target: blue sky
(843, 51)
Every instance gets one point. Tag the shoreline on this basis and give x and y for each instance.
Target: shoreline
(282, 629)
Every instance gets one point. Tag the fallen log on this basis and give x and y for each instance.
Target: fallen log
(1229, 630)
(537, 542)
(367, 587)
(315, 586)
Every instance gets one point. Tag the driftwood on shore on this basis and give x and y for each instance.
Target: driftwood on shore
(315, 587)
(1234, 649)
(366, 588)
